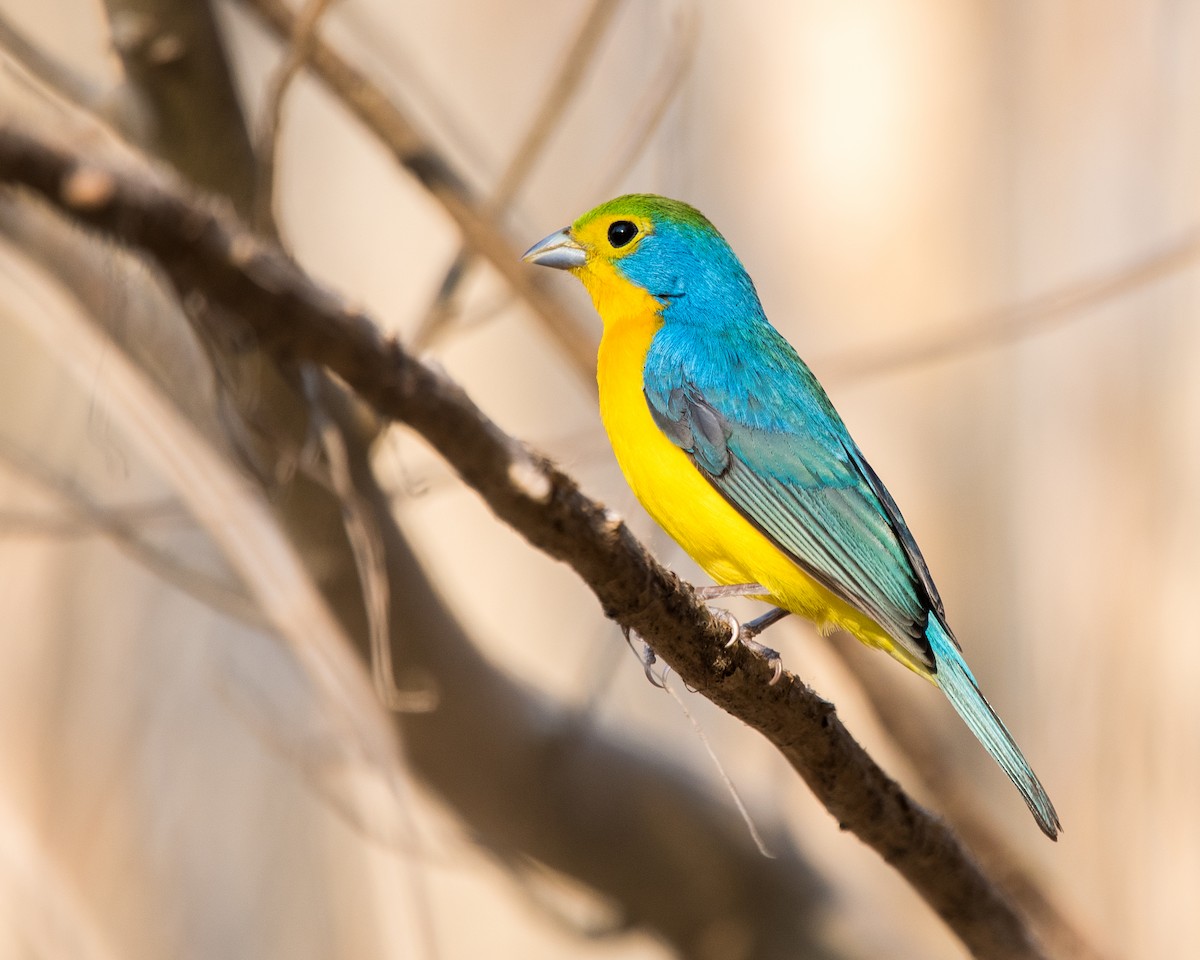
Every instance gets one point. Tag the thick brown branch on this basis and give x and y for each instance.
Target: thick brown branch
(209, 255)
(174, 57)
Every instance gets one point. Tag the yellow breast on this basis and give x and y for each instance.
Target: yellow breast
(673, 490)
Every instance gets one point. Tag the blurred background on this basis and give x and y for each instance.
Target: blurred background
(979, 222)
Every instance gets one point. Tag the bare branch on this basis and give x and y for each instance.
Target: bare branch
(383, 119)
(206, 255)
(298, 50)
(660, 93)
(1041, 902)
(559, 93)
(1011, 324)
(51, 73)
(121, 527)
(588, 817)
(175, 60)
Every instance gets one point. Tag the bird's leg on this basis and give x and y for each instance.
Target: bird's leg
(756, 626)
(745, 637)
(759, 624)
(721, 591)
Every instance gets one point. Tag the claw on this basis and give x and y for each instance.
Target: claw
(739, 633)
(774, 660)
(745, 635)
(735, 626)
(648, 662)
(647, 657)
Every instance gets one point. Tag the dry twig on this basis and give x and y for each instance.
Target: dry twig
(367, 103)
(268, 138)
(50, 73)
(122, 527)
(559, 94)
(1009, 325)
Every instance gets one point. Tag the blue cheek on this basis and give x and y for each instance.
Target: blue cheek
(660, 265)
(694, 275)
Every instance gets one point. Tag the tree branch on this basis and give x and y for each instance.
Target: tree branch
(206, 254)
(175, 60)
(1011, 324)
(557, 96)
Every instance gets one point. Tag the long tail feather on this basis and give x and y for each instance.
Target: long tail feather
(957, 682)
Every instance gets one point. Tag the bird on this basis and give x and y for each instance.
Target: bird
(732, 445)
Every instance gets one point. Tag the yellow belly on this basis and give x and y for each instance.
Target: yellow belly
(686, 505)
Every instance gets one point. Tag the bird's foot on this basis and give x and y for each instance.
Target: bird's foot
(646, 656)
(759, 624)
(745, 635)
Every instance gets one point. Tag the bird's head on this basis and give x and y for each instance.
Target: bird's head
(663, 247)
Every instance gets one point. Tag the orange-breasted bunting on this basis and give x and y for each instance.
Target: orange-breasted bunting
(732, 445)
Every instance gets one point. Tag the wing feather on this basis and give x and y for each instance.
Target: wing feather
(793, 471)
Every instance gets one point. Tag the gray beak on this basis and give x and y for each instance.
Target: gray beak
(558, 250)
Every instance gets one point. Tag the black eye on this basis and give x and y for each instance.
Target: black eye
(620, 232)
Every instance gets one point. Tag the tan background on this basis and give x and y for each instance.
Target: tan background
(887, 171)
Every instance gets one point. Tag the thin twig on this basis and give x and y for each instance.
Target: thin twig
(365, 545)
(298, 49)
(206, 254)
(386, 122)
(559, 93)
(384, 119)
(1010, 325)
(648, 113)
(120, 527)
(375, 33)
(50, 73)
(363, 539)
(660, 93)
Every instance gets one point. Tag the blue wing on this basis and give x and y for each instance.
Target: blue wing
(759, 427)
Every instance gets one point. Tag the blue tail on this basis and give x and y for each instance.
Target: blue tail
(956, 681)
